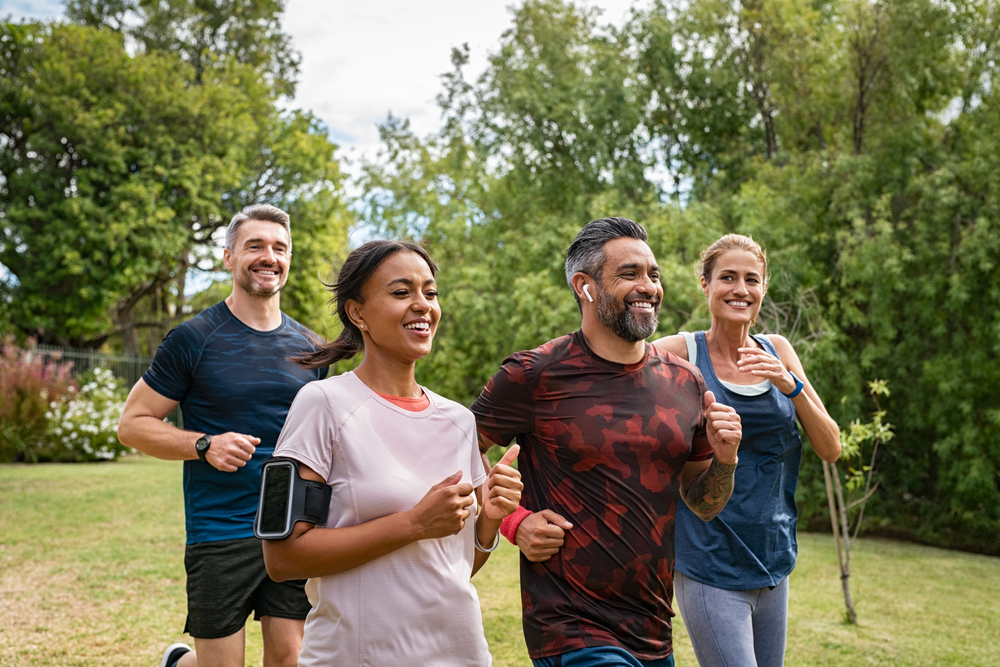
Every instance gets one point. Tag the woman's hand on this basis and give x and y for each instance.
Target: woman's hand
(443, 509)
(757, 362)
(502, 489)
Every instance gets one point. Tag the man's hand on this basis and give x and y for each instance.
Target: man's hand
(231, 451)
(502, 491)
(444, 508)
(540, 535)
(724, 429)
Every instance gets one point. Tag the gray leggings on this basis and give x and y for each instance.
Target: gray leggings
(734, 628)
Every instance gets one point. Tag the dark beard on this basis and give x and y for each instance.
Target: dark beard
(625, 324)
(245, 280)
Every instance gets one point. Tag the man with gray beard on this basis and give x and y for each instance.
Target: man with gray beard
(612, 432)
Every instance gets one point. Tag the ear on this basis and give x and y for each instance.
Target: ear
(578, 281)
(704, 286)
(227, 259)
(354, 314)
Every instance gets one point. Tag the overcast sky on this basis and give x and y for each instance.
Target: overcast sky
(363, 59)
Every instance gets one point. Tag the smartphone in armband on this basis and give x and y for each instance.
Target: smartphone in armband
(286, 498)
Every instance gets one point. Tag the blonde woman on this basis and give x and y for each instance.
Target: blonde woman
(731, 573)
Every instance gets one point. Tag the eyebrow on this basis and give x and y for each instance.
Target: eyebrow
(408, 282)
(249, 241)
(623, 267)
(749, 273)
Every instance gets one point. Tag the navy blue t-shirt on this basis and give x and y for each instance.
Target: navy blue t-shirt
(229, 377)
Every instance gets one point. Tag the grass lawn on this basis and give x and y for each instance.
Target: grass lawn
(91, 573)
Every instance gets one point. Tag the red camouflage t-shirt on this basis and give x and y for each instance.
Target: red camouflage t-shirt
(603, 445)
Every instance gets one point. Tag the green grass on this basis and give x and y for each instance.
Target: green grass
(91, 573)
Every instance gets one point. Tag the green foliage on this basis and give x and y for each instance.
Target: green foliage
(84, 428)
(205, 33)
(118, 170)
(29, 383)
(857, 141)
(47, 415)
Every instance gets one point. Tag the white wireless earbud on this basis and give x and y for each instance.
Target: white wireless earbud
(586, 290)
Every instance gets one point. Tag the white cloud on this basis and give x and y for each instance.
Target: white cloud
(362, 60)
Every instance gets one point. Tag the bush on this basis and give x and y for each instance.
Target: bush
(46, 415)
(29, 384)
(84, 427)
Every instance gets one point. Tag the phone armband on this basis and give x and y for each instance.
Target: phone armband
(286, 498)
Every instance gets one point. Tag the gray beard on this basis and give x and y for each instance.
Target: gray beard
(625, 324)
(245, 281)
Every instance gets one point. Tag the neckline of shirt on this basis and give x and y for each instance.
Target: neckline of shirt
(257, 332)
(581, 340)
(378, 398)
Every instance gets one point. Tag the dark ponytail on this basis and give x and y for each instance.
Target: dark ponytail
(357, 269)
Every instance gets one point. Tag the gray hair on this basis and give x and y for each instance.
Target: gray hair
(264, 212)
(586, 254)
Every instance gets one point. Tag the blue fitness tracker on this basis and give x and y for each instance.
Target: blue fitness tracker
(286, 498)
(799, 384)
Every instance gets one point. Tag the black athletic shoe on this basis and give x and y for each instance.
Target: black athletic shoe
(173, 654)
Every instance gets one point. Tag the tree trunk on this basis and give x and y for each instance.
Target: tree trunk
(838, 521)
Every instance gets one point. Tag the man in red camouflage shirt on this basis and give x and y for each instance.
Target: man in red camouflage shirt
(612, 433)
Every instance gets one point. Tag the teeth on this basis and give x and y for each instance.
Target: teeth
(642, 304)
(418, 325)
(739, 303)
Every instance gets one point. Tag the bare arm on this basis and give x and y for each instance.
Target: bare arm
(142, 427)
(820, 428)
(706, 487)
(317, 552)
(674, 344)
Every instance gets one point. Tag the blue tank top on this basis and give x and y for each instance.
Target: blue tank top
(751, 543)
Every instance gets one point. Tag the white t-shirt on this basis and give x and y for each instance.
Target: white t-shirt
(416, 605)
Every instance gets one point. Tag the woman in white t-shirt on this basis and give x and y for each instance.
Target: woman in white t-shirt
(389, 575)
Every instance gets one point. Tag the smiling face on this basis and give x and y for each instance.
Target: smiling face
(628, 293)
(400, 312)
(259, 258)
(736, 289)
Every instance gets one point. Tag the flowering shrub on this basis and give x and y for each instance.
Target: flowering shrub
(84, 427)
(46, 415)
(29, 384)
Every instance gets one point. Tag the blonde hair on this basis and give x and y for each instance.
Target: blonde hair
(711, 254)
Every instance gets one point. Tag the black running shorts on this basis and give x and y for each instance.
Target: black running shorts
(227, 580)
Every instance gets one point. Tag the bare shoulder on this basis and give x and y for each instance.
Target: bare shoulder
(781, 344)
(674, 344)
(787, 353)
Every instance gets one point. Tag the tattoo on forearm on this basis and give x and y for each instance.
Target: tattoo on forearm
(710, 490)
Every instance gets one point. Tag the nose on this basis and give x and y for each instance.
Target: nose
(421, 304)
(268, 255)
(646, 285)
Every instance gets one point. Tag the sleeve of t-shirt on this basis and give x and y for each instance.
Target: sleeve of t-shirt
(309, 434)
(700, 449)
(477, 467)
(505, 409)
(173, 366)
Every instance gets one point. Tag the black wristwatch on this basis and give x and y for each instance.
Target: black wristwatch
(201, 446)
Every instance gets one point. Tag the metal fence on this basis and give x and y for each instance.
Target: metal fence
(128, 369)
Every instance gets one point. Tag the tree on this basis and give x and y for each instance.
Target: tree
(117, 173)
(855, 140)
(207, 34)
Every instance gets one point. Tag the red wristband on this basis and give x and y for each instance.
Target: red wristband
(508, 527)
